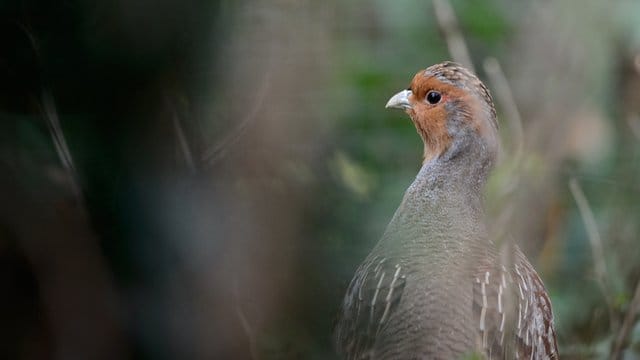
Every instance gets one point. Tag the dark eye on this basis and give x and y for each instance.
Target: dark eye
(433, 97)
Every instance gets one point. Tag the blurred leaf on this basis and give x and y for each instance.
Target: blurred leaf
(353, 176)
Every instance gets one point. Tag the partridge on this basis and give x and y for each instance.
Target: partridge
(436, 286)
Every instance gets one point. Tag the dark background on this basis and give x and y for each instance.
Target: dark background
(200, 179)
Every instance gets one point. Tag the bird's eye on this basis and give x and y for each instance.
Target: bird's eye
(433, 97)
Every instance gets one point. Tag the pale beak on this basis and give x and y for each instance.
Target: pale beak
(400, 100)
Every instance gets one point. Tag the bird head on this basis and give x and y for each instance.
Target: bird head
(452, 111)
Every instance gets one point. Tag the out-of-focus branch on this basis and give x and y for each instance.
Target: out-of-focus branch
(596, 246)
(181, 137)
(448, 24)
(219, 150)
(60, 143)
(627, 324)
(505, 96)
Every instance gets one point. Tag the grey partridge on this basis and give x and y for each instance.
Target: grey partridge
(436, 286)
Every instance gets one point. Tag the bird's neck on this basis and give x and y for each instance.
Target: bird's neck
(442, 211)
(449, 186)
(458, 177)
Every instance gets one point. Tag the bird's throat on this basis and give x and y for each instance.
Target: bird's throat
(445, 198)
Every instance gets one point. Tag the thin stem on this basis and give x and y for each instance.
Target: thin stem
(448, 24)
(596, 245)
(183, 143)
(627, 325)
(505, 97)
(60, 143)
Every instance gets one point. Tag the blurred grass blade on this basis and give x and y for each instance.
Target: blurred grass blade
(62, 149)
(596, 245)
(449, 26)
(183, 144)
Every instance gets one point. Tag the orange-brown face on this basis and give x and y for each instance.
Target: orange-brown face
(432, 100)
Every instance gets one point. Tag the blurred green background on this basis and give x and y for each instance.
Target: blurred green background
(200, 179)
